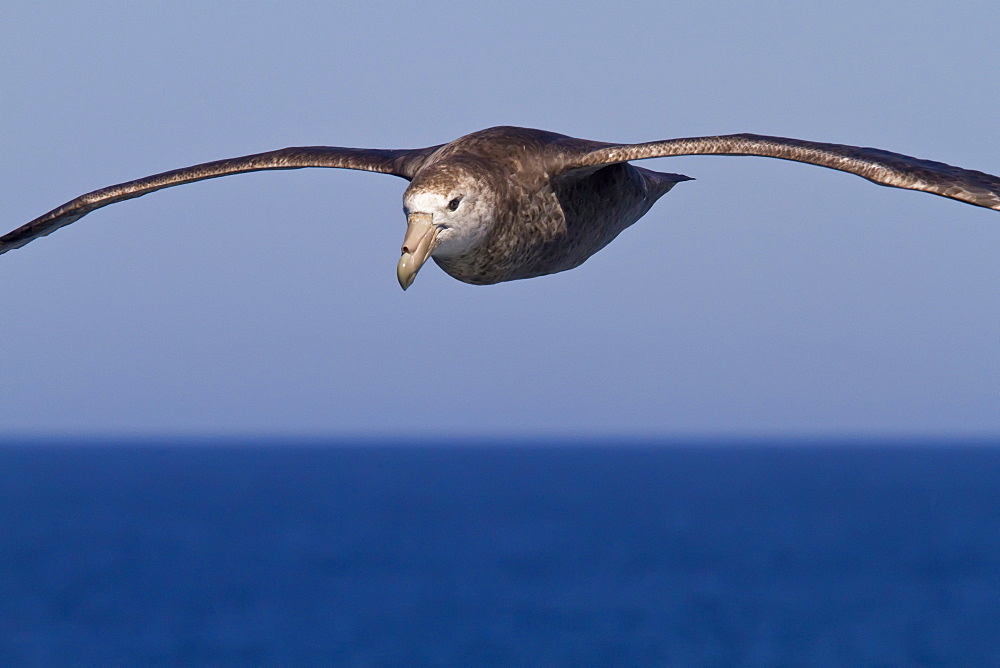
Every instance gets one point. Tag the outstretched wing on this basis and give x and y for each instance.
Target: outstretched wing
(882, 167)
(404, 163)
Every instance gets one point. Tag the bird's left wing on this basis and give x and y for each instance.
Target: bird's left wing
(403, 163)
(882, 167)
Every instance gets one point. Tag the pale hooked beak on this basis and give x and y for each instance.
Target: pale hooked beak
(419, 243)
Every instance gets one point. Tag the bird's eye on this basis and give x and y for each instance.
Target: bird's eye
(453, 204)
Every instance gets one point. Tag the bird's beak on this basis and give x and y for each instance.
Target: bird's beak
(419, 243)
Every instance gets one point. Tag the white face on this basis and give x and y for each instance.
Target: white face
(460, 215)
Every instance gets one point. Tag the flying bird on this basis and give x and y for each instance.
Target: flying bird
(507, 203)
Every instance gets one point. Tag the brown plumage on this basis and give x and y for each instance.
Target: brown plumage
(508, 203)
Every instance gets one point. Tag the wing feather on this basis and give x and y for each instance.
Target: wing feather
(881, 167)
(403, 163)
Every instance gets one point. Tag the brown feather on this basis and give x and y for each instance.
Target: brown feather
(553, 200)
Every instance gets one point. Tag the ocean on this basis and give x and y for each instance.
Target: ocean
(470, 554)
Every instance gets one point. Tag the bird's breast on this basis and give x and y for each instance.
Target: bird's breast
(556, 226)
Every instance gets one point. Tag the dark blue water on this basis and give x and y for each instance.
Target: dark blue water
(612, 555)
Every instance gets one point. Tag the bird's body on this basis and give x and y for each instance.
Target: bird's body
(542, 223)
(508, 203)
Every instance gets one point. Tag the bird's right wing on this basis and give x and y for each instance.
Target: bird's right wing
(403, 163)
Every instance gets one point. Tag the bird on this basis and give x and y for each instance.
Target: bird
(508, 203)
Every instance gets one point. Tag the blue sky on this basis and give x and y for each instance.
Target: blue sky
(763, 299)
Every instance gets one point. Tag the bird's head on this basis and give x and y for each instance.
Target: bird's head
(449, 211)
